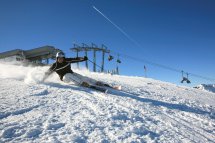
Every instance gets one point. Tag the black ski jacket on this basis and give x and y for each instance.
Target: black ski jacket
(63, 68)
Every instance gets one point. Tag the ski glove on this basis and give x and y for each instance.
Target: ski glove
(85, 58)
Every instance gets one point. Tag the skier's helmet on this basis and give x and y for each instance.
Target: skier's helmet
(60, 55)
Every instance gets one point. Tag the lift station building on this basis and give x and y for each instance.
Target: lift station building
(39, 55)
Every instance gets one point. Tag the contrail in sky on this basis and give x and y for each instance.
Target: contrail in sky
(120, 29)
(137, 44)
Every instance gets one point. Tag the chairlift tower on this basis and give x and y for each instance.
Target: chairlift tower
(85, 48)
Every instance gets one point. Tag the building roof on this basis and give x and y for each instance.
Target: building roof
(11, 53)
(44, 52)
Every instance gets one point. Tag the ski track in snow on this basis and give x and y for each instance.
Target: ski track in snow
(145, 110)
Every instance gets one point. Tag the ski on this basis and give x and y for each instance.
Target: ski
(105, 89)
(98, 88)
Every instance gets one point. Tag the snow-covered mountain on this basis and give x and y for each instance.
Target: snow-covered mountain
(145, 110)
(206, 87)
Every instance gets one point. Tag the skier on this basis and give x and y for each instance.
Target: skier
(62, 67)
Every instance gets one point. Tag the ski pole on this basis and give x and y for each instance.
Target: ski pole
(95, 63)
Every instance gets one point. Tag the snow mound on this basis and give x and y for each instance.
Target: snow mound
(145, 110)
(206, 87)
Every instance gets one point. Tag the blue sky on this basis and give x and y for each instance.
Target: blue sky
(179, 34)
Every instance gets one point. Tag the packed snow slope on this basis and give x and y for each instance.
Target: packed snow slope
(145, 110)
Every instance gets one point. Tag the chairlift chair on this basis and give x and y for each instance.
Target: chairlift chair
(118, 60)
(185, 78)
(110, 58)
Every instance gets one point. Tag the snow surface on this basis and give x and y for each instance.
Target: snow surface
(145, 110)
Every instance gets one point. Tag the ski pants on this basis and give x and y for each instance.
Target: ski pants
(78, 79)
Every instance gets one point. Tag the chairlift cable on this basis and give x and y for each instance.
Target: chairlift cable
(164, 66)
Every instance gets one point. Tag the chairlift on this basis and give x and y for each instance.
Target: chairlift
(110, 58)
(118, 60)
(185, 79)
(188, 81)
